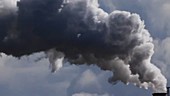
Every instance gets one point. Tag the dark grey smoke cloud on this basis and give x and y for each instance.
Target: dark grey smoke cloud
(83, 33)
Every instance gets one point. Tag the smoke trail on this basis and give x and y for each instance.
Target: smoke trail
(83, 33)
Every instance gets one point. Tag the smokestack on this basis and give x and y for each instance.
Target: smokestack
(159, 94)
(168, 91)
(162, 94)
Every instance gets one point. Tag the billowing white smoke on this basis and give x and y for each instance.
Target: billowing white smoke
(135, 68)
(116, 42)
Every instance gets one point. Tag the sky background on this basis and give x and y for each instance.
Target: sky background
(25, 77)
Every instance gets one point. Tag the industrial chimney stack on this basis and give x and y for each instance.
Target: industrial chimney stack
(162, 94)
(159, 94)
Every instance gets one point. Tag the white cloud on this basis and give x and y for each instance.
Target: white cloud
(25, 77)
(88, 94)
(162, 54)
(88, 78)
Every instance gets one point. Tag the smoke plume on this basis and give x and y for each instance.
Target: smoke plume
(80, 32)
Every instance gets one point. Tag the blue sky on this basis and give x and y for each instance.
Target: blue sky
(24, 77)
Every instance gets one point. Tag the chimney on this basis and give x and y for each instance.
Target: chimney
(162, 94)
(159, 94)
(168, 91)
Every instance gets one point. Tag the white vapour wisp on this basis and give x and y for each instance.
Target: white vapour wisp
(8, 6)
(55, 59)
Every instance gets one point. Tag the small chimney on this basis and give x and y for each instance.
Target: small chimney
(162, 94)
(168, 91)
(159, 94)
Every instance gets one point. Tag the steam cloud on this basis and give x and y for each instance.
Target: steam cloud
(80, 32)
